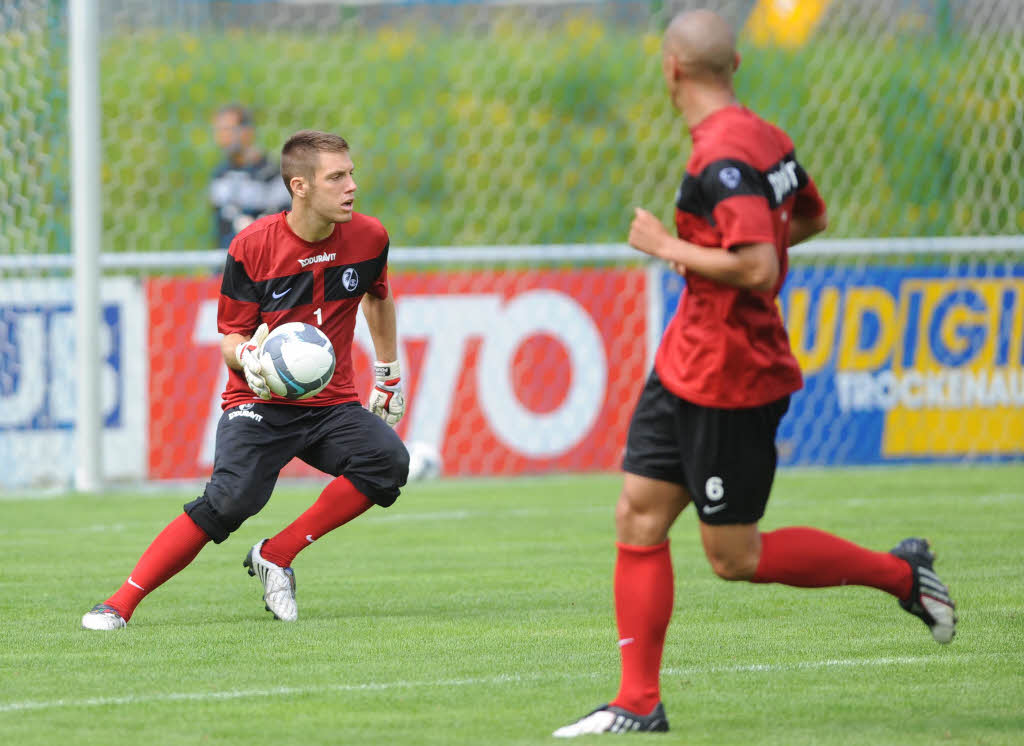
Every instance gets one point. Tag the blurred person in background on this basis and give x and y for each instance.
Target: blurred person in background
(703, 430)
(246, 185)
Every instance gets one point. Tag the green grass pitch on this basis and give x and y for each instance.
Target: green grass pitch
(480, 612)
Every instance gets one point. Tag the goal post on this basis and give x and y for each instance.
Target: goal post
(86, 236)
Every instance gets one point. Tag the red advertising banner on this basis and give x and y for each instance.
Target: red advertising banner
(506, 372)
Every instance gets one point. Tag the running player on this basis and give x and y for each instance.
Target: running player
(704, 428)
(318, 264)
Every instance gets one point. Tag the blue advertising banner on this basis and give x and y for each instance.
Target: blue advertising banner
(38, 381)
(902, 363)
(37, 377)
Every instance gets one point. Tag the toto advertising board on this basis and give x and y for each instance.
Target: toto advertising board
(507, 372)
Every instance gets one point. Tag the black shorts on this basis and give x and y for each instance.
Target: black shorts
(255, 441)
(725, 458)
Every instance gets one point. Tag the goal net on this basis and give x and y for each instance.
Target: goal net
(536, 125)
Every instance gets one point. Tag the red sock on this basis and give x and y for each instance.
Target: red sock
(644, 588)
(809, 558)
(338, 504)
(171, 552)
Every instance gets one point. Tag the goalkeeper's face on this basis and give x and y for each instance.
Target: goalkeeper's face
(333, 191)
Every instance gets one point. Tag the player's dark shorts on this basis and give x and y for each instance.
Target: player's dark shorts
(255, 441)
(725, 458)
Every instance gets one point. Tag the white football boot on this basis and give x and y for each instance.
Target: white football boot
(611, 719)
(103, 618)
(929, 597)
(278, 584)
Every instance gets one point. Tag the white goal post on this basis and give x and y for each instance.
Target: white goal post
(86, 232)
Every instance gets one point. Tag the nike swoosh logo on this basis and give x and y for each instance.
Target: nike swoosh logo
(281, 295)
(709, 509)
(309, 538)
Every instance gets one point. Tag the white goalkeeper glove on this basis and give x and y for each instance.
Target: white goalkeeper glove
(248, 355)
(386, 399)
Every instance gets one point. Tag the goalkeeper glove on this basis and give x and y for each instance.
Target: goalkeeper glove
(248, 355)
(386, 399)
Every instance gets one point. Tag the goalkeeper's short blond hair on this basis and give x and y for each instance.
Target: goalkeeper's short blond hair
(301, 152)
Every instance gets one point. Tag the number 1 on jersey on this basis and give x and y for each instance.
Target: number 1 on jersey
(319, 317)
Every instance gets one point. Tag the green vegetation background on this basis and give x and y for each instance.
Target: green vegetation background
(524, 132)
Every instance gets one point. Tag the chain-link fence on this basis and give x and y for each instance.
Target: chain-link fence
(513, 123)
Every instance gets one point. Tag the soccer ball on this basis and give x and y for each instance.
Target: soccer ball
(298, 360)
(424, 462)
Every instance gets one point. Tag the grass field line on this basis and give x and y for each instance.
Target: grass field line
(462, 515)
(163, 489)
(815, 665)
(382, 517)
(781, 498)
(285, 691)
(782, 495)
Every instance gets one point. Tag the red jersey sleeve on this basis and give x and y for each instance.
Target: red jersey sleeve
(809, 203)
(380, 287)
(740, 206)
(238, 309)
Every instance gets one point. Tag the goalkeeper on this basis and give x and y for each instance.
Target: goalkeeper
(703, 430)
(318, 263)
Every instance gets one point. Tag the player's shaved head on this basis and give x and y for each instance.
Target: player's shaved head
(703, 43)
(301, 154)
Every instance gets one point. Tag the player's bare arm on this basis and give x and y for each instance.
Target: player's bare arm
(228, 344)
(749, 266)
(386, 399)
(802, 228)
(382, 321)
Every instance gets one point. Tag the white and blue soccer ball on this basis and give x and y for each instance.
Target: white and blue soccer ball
(298, 360)
(424, 461)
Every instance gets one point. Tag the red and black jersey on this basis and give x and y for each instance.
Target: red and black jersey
(727, 347)
(272, 275)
